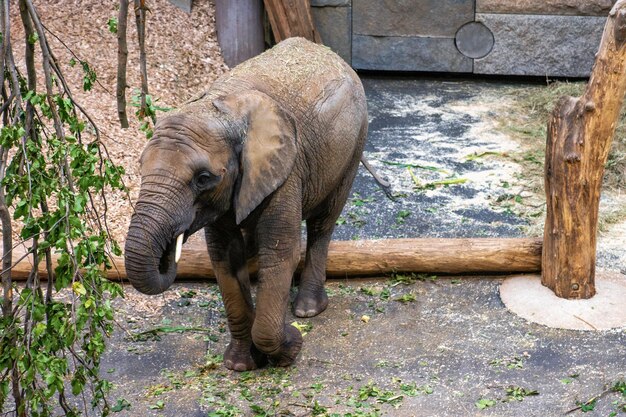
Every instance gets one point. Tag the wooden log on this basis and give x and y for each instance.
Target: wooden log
(440, 256)
(375, 257)
(580, 131)
(290, 18)
(239, 26)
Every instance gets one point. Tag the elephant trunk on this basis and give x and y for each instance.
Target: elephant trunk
(151, 246)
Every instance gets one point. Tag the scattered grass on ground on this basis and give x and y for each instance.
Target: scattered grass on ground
(387, 383)
(527, 120)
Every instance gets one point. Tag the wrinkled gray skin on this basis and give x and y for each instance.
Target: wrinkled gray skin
(275, 141)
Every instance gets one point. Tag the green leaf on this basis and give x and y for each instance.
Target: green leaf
(587, 406)
(620, 387)
(121, 405)
(78, 288)
(406, 298)
(77, 385)
(89, 76)
(112, 24)
(304, 328)
(402, 214)
(33, 38)
(160, 405)
(519, 393)
(485, 403)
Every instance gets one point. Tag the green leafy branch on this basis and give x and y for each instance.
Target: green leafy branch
(146, 114)
(53, 184)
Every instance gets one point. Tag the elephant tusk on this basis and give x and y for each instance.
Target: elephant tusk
(179, 247)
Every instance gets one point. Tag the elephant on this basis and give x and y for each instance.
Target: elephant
(275, 141)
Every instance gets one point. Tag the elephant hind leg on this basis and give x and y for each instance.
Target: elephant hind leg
(312, 298)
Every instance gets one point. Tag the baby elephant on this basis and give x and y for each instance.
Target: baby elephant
(276, 140)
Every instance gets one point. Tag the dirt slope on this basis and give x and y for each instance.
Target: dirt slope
(183, 58)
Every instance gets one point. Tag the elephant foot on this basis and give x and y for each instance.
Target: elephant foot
(310, 303)
(289, 349)
(243, 356)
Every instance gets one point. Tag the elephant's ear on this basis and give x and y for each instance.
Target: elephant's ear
(269, 147)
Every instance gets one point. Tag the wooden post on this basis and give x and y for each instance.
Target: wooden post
(239, 26)
(290, 18)
(580, 132)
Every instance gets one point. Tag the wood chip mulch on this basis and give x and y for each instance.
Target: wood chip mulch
(183, 58)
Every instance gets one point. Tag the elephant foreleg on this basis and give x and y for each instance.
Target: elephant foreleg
(227, 251)
(279, 252)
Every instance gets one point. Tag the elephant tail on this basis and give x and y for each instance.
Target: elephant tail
(383, 184)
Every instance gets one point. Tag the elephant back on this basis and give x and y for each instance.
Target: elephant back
(295, 72)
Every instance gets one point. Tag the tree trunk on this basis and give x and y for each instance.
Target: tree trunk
(122, 59)
(580, 132)
(140, 19)
(375, 257)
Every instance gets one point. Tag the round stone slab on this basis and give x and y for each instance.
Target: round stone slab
(474, 40)
(525, 296)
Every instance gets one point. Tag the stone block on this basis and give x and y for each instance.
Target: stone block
(551, 7)
(334, 25)
(408, 54)
(333, 3)
(563, 46)
(433, 18)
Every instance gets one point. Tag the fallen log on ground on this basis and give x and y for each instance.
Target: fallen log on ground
(374, 257)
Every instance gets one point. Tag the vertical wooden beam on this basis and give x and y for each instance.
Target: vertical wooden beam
(239, 25)
(580, 132)
(290, 18)
(122, 60)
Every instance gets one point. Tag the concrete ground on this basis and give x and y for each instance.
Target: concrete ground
(448, 348)
(403, 345)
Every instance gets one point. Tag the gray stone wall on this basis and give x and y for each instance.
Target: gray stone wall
(411, 18)
(408, 53)
(544, 45)
(505, 37)
(333, 20)
(546, 7)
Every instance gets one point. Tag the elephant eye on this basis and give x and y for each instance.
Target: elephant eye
(204, 179)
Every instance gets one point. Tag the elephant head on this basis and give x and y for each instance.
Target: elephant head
(206, 161)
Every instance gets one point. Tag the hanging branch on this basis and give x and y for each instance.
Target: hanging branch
(7, 241)
(5, 216)
(49, 177)
(122, 59)
(45, 51)
(55, 64)
(30, 39)
(140, 19)
(8, 66)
